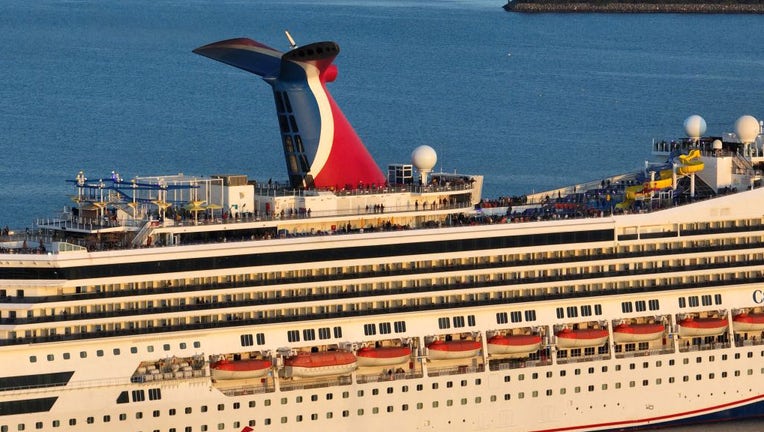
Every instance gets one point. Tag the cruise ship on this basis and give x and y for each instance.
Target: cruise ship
(349, 298)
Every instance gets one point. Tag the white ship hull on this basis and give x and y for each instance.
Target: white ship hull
(611, 397)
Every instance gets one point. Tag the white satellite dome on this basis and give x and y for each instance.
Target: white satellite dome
(424, 158)
(695, 126)
(717, 144)
(747, 129)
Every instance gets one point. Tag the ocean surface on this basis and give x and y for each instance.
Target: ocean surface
(530, 101)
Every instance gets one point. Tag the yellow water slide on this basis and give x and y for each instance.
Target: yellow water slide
(690, 163)
(634, 192)
(665, 180)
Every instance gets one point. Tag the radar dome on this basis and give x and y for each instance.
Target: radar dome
(424, 158)
(747, 128)
(717, 144)
(695, 126)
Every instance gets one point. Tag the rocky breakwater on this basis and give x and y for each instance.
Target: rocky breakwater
(542, 6)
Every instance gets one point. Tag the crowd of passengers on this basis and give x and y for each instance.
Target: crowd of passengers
(596, 202)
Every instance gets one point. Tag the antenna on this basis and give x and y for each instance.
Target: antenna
(292, 44)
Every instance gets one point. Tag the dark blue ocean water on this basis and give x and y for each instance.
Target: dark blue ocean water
(530, 101)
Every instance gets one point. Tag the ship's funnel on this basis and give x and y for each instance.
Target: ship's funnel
(320, 146)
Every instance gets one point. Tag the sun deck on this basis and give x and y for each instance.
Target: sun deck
(181, 210)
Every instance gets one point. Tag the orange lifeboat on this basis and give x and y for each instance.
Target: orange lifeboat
(693, 327)
(454, 349)
(314, 364)
(514, 344)
(637, 332)
(746, 322)
(383, 356)
(581, 338)
(239, 369)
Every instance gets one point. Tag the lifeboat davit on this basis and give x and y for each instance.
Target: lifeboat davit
(322, 363)
(383, 356)
(239, 369)
(514, 344)
(746, 322)
(581, 338)
(454, 349)
(702, 327)
(637, 332)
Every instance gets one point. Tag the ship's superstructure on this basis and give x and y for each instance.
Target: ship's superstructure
(345, 299)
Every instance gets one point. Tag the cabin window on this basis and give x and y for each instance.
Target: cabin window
(139, 396)
(369, 329)
(246, 340)
(400, 326)
(444, 323)
(155, 394)
(458, 321)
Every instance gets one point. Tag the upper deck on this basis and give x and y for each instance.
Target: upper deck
(149, 219)
(182, 210)
(142, 213)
